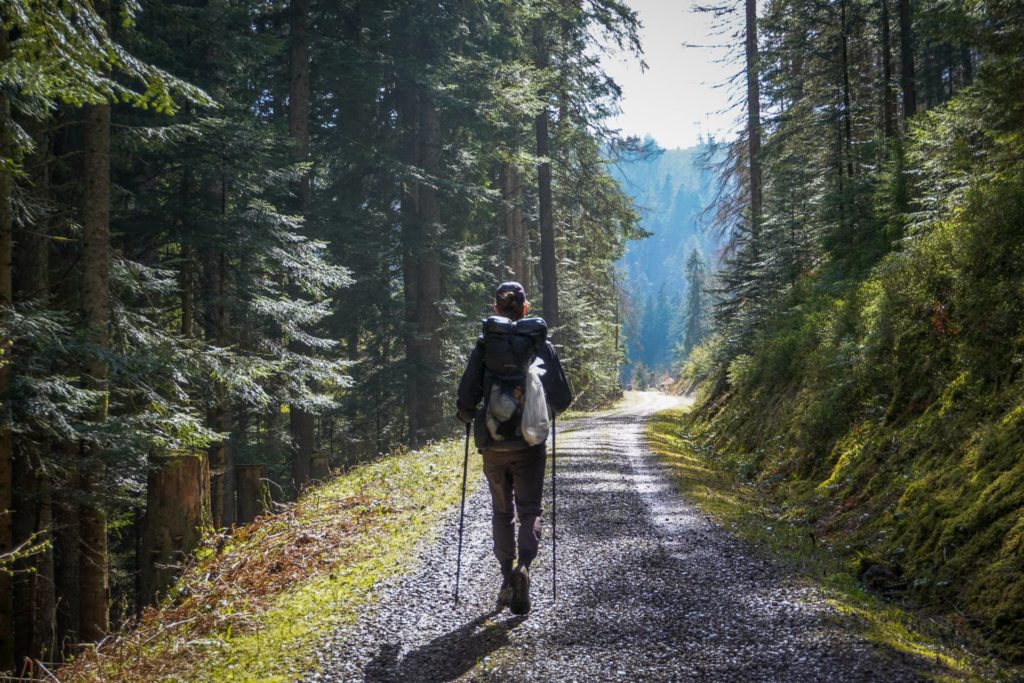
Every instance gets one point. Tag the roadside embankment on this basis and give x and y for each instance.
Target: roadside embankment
(834, 560)
(255, 603)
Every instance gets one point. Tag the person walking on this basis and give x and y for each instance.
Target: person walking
(497, 374)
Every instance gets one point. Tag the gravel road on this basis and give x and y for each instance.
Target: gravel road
(648, 590)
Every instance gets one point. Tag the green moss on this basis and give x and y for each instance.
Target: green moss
(787, 520)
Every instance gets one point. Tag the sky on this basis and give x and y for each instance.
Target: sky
(676, 99)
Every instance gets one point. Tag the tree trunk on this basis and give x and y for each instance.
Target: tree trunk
(300, 425)
(524, 269)
(220, 503)
(34, 587)
(907, 77)
(753, 121)
(950, 68)
(408, 123)
(934, 86)
(301, 422)
(429, 291)
(221, 460)
(96, 312)
(34, 590)
(507, 181)
(67, 569)
(224, 418)
(888, 101)
(320, 467)
(548, 258)
(516, 233)
(31, 276)
(176, 507)
(6, 436)
(187, 292)
(847, 114)
(967, 63)
(298, 94)
(187, 274)
(253, 496)
(6, 451)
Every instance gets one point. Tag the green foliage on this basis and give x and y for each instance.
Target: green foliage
(64, 51)
(867, 369)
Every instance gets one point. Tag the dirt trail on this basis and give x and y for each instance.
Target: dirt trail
(648, 590)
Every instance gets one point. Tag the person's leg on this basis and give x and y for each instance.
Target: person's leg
(528, 486)
(499, 479)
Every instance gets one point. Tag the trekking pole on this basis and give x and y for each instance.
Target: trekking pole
(554, 516)
(462, 516)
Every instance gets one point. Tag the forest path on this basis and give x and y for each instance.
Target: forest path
(648, 589)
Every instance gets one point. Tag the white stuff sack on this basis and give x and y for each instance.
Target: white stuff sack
(535, 410)
(500, 408)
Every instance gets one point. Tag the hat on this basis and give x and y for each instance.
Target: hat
(512, 287)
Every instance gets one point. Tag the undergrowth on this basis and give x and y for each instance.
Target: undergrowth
(256, 603)
(884, 410)
(709, 478)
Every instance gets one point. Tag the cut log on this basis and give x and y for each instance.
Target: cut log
(253, 493)
(177, 508)
(319, 467)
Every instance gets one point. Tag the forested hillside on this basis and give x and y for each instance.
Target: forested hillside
(671, 188)
(866, 370)
(244, 242)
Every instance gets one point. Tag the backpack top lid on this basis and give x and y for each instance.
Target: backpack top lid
(497, 324)
(509, 347)
(534, 328)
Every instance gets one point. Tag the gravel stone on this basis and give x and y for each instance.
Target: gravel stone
(649, 589)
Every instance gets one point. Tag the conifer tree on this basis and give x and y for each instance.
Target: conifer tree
(695, 312)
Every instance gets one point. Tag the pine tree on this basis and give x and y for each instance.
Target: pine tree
(695, 312)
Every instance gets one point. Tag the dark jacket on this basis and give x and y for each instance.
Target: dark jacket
(557, 391)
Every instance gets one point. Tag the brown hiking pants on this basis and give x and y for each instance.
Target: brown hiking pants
(516, 479)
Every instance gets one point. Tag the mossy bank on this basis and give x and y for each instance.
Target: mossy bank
(855, 585)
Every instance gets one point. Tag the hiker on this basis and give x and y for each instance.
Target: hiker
(497, 374)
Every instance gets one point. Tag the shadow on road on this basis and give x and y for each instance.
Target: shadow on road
(446, 657)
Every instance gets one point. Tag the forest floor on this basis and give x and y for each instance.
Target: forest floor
(649, 588)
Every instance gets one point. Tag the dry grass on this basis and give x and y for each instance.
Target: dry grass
(255, 601)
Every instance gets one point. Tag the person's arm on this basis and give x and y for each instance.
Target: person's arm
(471, 387)
(557, 388)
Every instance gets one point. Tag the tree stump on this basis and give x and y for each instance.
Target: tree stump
(253, 493)
(177, 508)
(319, 467)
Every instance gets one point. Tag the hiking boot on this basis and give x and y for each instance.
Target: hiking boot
(520, 583)
(504, 597)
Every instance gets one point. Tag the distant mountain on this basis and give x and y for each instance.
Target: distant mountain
(670, 191)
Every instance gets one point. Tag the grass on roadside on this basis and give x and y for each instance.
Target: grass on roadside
(702, 480)
(255, 604)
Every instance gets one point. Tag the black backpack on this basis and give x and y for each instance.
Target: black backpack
(509, 350)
